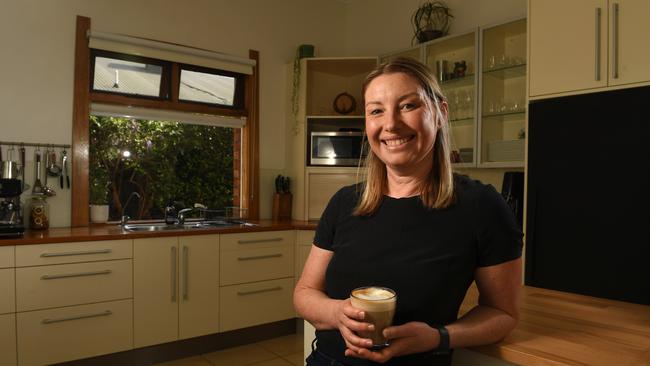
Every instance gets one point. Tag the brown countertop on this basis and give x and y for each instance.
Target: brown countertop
(560, 328)
(114, 232)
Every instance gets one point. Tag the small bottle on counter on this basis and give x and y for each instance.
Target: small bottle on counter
(39, 213)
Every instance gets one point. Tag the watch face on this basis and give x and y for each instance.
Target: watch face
(344, 103)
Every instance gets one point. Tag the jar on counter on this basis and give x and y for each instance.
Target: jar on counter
(39, 213)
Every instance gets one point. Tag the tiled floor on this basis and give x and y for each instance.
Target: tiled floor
(282, 351)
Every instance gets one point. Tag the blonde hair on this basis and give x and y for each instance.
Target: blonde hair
(438, 192)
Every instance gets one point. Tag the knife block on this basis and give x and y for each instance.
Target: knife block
(282, 206)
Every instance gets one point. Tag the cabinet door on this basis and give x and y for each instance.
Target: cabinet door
(322, 187)
(155, 290)
(199, 285)
(568, 49)
(6, 257)
(74, 332)
(8, 298)
(629, 29)
(8, 339)
(256, 303)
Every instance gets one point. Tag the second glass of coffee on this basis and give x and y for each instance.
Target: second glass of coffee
(378, 303)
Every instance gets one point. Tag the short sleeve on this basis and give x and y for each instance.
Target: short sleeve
(499, 236)
(326, 229)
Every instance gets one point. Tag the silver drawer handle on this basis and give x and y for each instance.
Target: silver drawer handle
(258, 241)
(80, 274)
(259, 257)
(50, 321)
(243, 293)
(597, 44)
(83, 252)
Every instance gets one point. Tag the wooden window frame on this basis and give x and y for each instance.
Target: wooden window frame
(83, 96)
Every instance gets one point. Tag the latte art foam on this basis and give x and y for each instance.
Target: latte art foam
(373, 293)
(374, 299)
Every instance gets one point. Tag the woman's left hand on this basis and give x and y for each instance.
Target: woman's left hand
(413, 337)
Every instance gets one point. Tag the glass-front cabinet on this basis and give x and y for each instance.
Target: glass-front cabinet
(503, 95)
(483, 75)
(455, 63)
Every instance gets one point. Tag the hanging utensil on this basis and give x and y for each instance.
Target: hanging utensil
(38, 187)
(64, 167)
(22, 165)
(53, 169)
(47, 189)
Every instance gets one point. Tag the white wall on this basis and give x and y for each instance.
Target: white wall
(37, 43)
(378, 26)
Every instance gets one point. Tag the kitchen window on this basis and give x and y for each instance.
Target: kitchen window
(165, 162)
(184, 94)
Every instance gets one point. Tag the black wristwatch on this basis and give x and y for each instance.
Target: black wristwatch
(443, 345)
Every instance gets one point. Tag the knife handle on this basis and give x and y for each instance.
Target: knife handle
(61, 180)
(67, 180)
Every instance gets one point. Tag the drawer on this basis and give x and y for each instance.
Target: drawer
(58, 335)
(251, 304)
(8, 340)
(302, 252)
(73, 284)
(8, 298)
(305, 237)
(253, 265)
(44, 254)
(7, 256)
(257, 240)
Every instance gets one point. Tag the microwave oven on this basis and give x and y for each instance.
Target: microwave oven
(341, 148)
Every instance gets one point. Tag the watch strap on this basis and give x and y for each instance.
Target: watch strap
(443, 345)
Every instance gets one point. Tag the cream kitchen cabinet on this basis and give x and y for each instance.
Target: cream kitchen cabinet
(74, 332)
(73, 300)
(8, 339)
(323, 183)
(176, 293)
(257, 278)
(7, 307)
(304, 241)
(587, 45)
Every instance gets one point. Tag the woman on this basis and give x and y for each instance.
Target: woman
(415, 227)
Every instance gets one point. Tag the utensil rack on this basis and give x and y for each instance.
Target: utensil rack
(35, 144)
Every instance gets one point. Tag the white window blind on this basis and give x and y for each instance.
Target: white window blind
(166, 115)
(169, 52)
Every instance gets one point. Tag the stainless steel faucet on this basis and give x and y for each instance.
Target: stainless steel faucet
(125, 218)
(181, 214)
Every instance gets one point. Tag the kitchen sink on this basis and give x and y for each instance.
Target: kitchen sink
(212, 224)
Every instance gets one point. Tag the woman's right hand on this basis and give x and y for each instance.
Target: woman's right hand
(349, 320)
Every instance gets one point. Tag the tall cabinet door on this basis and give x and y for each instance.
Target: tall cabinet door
(199, 285)
(8, 339)
(568, 45)
(155, 290)
(629, 30)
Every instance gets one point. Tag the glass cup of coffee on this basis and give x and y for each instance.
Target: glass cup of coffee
(379, 305)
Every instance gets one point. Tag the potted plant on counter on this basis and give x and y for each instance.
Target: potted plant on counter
(98, 188)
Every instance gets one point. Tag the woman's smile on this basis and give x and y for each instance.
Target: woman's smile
(396, 142)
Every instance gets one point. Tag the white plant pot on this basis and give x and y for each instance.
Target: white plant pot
(98, 213)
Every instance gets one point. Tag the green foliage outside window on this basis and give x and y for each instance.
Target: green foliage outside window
(163, 162)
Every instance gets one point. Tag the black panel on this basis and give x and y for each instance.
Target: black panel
(588, 195)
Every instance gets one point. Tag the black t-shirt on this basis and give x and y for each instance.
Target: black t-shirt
(427, 256)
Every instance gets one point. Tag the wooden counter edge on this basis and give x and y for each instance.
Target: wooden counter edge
(114, 232)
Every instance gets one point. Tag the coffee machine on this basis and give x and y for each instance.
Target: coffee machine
(11, 211)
